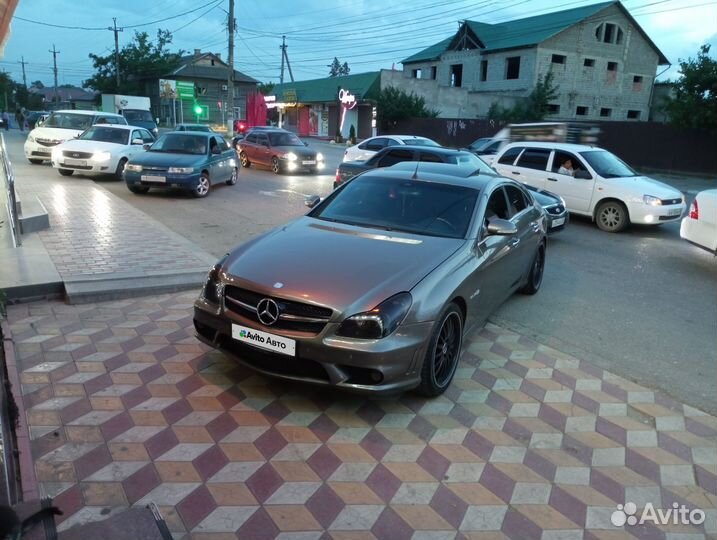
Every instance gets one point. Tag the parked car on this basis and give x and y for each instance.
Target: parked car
(699, 226)
(101, 149)
(62, 126)
(369, 147)
(396, 154)
(329, 298)
(486, 146)
(554, 205)
(194, 127)
(282, 150)
(602, 186)
(192, 161)
(36, 119)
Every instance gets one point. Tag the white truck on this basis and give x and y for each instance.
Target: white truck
(135, 109)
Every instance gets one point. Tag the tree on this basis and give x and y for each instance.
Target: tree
(337, 69)
(37, 84)
(695, 101)
(345, 69)
(141, 58)
(533, 108)
(266, 88)
(394, 104)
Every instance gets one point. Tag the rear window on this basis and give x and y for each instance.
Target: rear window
(420, 142)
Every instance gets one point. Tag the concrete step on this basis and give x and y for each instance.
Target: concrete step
(33, 215)
(98, 289)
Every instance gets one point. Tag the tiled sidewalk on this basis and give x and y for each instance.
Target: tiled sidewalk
(124, 406)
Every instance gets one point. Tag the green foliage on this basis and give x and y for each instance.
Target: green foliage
(266, 88)
(695, 101)
(141, 58)
(394, 104)
(37, 84)
(17, 95)
(533, 109)
(337, 69)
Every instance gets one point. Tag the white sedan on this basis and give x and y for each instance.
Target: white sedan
(102, 148)
(699, 226)
(366, 149)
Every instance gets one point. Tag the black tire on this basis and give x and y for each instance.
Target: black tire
(233, 179)
(139, 190)
(612, 216)
(35, 161)
(535, 276)
(443, 354)
(120, 168)
(203, 187)
(275, 165)
(244, 160)
(65, 172)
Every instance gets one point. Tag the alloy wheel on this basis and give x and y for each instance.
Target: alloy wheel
(202, 188)
(275, 166)
(445, 353)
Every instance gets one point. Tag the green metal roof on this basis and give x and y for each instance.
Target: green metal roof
(361, 85)
(527, 32)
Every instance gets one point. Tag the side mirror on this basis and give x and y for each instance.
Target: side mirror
(147, 146)
(137, 141)
(312, 201)
(501, 227)
(582, 175)
(156, 121)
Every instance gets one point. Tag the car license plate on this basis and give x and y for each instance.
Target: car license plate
(264, 340)
(76, 162)
(152, 178)
(557, 222)
(674, 211)
(309, 162)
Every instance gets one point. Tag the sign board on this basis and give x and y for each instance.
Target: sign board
(167, 89)
(347, 99)
(290, 95)
(185, 90)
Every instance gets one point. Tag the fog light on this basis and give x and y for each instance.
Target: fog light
(320, 165)
(376, 376)
(649, 218)
(291, 166)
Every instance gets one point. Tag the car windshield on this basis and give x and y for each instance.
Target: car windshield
(421, 142)
(472, 161)
(284, 139)
(174, 143)
(196, 127)
(608, 165)
(69, 121)
(411, 206)
(134, 115)
(481, 144)
(106, 134)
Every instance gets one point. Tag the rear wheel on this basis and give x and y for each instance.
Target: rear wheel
(612, 216)
(244, 160)
(535, 277)
(65, 172)
(139, 190)
(36, 161)
(120, 168)
(233, 179)
(443, 354)
(275, 165)
(201, 190)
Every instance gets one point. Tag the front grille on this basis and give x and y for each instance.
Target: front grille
(295, 316)
(668, 202)
(76, 167)
(40, 153)
(149, 168)
(47, 142)
(555, 210)
(77, 155)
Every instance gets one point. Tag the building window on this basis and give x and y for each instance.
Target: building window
(558, 59)
(416, 73)
(605, 112)
(484, 70)
(637, 83)
(457, 75)
(633, 115)
(609, 33)
(589, 62)
(553, 108)
(434, 71)
(512, 67)
(581, 111)
(612, 66)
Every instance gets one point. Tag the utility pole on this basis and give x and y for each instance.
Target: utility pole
(54, 68)
(115, 30)
(230, 78)
(283, 54)
(24, 78)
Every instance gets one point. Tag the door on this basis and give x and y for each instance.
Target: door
(228, 158)
(217, 168)
(134, 149)
(532, 167)
(527, 220)
(262, 152)
(577, 192)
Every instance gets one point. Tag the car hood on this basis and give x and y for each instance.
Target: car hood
(167, 159)
(91, 146)
(354, 166)
(349, 269)
(302, 152)
(648, 186)
(55, 134)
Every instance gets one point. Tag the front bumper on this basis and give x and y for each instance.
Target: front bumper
(645, 214)
(388, 365)
(309, 165)
(181, 181)
(84, 165)
(35, 150)
(557, 222)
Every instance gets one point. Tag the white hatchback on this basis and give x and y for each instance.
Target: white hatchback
(601, 185)
(366, 149)
(101, 149)
(699, 226)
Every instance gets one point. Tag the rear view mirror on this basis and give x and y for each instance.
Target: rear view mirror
(501, 227)
(582, 175)
(312, 201)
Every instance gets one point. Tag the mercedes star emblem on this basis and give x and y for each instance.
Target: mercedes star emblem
(267, 311)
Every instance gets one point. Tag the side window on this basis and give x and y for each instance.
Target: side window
(223, 144)
(508, 157)
(262, 139)
(136, 134)
(493, 148)
(147, 137)
(395, 156)
(391, 142)
(516, 200)
(251, 138)
(560, 159)
(534, 158)
(497, 206)
(429, 157)
(213, 143)
(376, 144)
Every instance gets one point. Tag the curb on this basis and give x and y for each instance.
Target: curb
(28, 479)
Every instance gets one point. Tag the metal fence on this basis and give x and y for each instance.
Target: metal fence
(6, 171)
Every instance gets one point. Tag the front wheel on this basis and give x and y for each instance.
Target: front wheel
(275, 165)
(201, 190)
(612, 216)
(120, 168)
(65, 172)
(244, 160)
(233, 179)
(35, 161)
(535, 277)
(443, 354)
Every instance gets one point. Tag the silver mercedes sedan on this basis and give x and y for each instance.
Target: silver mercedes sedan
(375, 288)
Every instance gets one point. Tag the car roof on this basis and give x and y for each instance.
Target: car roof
(190, 132)
(553, 146)
(434, 149)
(478, 181)
(86, 113)
(117, 126)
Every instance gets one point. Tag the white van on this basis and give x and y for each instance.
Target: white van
(62, 126)
(601, 185)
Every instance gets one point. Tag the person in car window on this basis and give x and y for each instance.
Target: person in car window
(567, 167)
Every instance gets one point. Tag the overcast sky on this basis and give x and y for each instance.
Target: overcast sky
(368, 34)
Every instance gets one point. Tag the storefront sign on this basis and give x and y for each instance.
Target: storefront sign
(185, 90)
(347, 99)
(290, 95)
(269, 99)
(167, 89)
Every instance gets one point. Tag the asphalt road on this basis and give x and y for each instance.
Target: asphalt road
(642, 303)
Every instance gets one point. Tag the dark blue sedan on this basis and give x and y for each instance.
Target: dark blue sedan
(187, 160)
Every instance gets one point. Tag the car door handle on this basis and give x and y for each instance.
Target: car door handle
(515, 172)
(553, 179)
(535, 225)
(514, 242)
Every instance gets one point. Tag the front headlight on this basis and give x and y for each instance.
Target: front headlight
(133, 168)
(291, 156)
(380, 322)
(180, 170)
(212, 290)
(652, 201)
(102, 156)
(319, 156)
